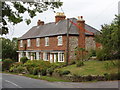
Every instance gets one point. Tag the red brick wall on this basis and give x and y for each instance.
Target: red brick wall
(53, 44)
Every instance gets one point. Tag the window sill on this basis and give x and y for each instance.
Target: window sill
(60, 45)
(46, 45)
(60, 61)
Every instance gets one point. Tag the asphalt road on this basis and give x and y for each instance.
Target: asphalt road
(15, 81)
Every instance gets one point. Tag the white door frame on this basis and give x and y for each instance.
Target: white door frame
(51, 58)
(55, 57)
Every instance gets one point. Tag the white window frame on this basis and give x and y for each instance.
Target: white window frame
(28, 42)
(46, 41)
(60, 57)
(60, 40)
(45, 56)
(37, 42)
(21, 43)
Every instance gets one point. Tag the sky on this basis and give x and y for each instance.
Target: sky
(94, 12)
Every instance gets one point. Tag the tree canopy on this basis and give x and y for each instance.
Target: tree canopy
(9, 48)
(13, 12)
(110, 38)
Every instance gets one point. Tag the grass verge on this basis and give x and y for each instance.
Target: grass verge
(92, 68)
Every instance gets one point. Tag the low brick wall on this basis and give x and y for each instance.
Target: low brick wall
(85, 78)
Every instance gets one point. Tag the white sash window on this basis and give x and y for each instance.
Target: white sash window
(46, 41)
(21, 43)
(28, 43)
(37, 42)
(60, 41)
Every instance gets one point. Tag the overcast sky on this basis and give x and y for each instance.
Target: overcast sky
(95, 13)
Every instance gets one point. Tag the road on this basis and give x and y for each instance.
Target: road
(15, 81)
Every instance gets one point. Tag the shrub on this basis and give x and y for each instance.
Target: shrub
(43, 72)
(107, 76)
(37, 66)
(20, 69)
(6, 64)
(79, 63)
(66, 72)
(23, 59)
(17, 68)
(72, 62)
(112, 76)
(103, 54)
(58, 72)
(50, 71)
(111, 64)
(92, 53)
(36, 70)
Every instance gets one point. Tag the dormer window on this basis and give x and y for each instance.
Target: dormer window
(21, 43)
(46, 41)
(60, 41)
(37, 42)
(28, 43)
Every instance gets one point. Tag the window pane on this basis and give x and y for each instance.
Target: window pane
(47, 41)
(38, 42)
(59, 40)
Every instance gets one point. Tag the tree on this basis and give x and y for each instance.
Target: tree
(9, 48)
(13, 12)
(110, 39)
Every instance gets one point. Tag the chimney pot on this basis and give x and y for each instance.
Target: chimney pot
(40, 22)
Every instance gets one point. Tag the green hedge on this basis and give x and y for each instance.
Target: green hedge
(6, 64)
(23, 59)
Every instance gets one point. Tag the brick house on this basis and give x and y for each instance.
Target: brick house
(48, 42)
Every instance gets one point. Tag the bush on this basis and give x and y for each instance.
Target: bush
(36, 70)
(17, 68)
(112, 76)
(50, 71)
(72, 62)
(66, 72)
(6, 64)
(79, 63)
(20, 69)
(43, 72)
(37, 66)
(111, 64)
(92, 53)
(58, 72)
(23, 59)
(103, 55)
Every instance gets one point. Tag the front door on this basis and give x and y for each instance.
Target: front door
(51, 58)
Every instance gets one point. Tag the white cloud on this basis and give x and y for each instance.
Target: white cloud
(95, 12)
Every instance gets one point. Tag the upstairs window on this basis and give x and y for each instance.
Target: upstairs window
(37, 42)
(21, 43)
(46, 41)
(60, 41)
(28, 43)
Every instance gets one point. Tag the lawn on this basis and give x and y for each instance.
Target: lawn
(92, 68)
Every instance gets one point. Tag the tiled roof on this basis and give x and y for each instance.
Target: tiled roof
(52, 29)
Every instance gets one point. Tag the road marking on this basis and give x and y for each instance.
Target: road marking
(13, 83)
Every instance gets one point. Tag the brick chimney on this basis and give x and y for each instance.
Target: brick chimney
(81, 30)
(40, 22)
(59, 16)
